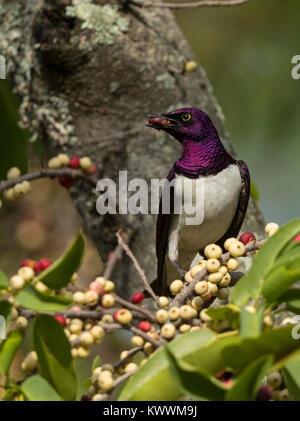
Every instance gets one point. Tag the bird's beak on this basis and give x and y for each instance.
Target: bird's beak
(162, 122)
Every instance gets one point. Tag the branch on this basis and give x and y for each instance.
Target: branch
(47, 172)
(115, 258)
(138, 268)
(204, 3)
(130, 354)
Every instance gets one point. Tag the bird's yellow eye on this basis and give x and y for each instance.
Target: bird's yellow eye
(186, 116)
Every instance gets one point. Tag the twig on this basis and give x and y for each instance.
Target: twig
(47, 172)
(115, 258)
(130, 354)
(147, 337)
(138, 268)
(204, 3)
(135, 308)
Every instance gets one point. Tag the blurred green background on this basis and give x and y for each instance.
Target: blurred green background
(246, 52)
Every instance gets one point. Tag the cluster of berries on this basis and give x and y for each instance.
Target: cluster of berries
(273, 388)
(63, 160)
(19, 190)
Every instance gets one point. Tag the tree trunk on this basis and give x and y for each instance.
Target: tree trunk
(88, 74)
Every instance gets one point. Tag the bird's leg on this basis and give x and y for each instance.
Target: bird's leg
(179, 269)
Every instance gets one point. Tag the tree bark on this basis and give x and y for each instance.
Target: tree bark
(88, 74)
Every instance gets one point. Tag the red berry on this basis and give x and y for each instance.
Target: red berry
(247, 237)
(28, 263)
(228, 383)
(60, 320)
(96, 286)
(224, 375)
(74, 162)
(115, 315)
(137, 297)
(145, 326)
(92, 169)
(44, 264)
(36, 268)
(76, 308)
(297, 238)
(65, 181)
(264, 393)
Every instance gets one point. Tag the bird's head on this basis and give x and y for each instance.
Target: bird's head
(184, 124)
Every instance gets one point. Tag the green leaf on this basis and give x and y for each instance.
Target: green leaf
(87, 383)
(60, 272)
(254, 191)
(36, 388)
(251, 324)
(246, 386)
(54, 355)
(292, 300)
(153, 380)
(291, 374)
(199, 384)
(96, 362)
(14, 145)
(278, 281)
(251, 284)
(278, 342)
(5, 311)
(30, 298)
(3, 280)
(8, 350)
(228, 313)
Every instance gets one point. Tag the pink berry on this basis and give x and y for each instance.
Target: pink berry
(228, 383)
(96, 286)
(74, 162)
(115, 315)
(76, 308)
(36, 268)
(137, 297)
(224, 375)
(28, 263)
(60, 320)
(44, 264)
(92, 169)
(247, 237)
(66, 181)
(144, 326)
(264, 393)
(297, 238)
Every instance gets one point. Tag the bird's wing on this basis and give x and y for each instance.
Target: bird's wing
(240, 213)
(162, 232)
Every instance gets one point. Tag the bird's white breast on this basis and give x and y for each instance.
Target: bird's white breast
(220, 195)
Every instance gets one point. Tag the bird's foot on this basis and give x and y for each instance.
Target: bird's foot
(180, 270)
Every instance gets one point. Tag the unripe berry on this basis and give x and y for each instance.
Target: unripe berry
(148, 348)
(105, 381)
(228, 242)
(60, 319)
(13, 172)
(26, 273)
(74, 277)
(161, 316)
(197, 303)
(16, 282)
(74, 352)
(75, 328)
(83, 352)
(108, 286)
(107, 318)
(274, 379)
(108, 300)
(9, 194)
(268, 321)
(21, 322)
(247, 237)
(225, 280)
(190, 66)
(30, 362)
(97, 397)
(130, 367)
(236, 249)
(186, 312)
(168, 331)
(124, 316)
(91, 298)
(97, 332)
(188, 277)
(271, 228)
(197, 268)
(74, 162)
(176, 286)
(204, 316)
(85, 163)
(284, 395)
(251, 309)
(213, 251)
(223, 269)
(39, 286)
(193, 328)
(14, 314)
(96, 372)
(20, 190)
(86, 339)
(137, 341)
(163, 301)
(213, 265)
(212, 288)
(79, 297)
(64, 159)
(144, 326)
(96, 286)
(174, 313)
(215, 278)
(232, 264)
(54, 163)
(222, 294)
(137, 297)
(201, 287)
(44, 264)
(184, 328)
